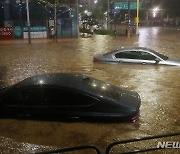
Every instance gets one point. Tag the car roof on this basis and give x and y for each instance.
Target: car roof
(129, 48)
(57, 79)
(76, 82)
(133, 48)
(136, 48)
(144, 49)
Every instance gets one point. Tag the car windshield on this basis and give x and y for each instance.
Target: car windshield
(110, 52)
(128, 98)
(159, 54)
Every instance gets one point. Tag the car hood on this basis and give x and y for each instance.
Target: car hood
(119, 95)
(131, 99)
(100, 55)
(173, 61)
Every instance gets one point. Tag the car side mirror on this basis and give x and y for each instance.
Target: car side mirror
(157, 60)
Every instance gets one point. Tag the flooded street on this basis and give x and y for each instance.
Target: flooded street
(158, 86)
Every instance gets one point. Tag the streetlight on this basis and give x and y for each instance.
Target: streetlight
(155, 10)
(85, 11)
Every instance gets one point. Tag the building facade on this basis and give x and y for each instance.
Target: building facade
(61, 15)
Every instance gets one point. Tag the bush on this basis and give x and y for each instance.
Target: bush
(104, 32)
(99, 32)
(85, 30)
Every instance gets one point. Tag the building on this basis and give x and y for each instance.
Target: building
(62, 15)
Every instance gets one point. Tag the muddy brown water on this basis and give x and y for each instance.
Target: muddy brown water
(158, 86)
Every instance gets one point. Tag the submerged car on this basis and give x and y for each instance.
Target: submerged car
(136, 55)
(68, 95)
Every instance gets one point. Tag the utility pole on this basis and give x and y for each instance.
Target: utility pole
(28, 21)
(108, 15)
(55, 19)
(47, 27)
(77, 12)
(89, 6)
(128, 23)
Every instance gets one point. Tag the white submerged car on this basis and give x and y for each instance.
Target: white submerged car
(136, 55)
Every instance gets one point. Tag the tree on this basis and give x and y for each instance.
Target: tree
(169, 6)
(172, 7)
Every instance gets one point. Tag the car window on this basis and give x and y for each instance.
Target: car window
(147, 56)
(50, 96)
(158, 54)
(24, 96)
(13, 98)
(128, 55)
(63, 97)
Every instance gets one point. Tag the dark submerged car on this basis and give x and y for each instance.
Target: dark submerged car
(64, 95)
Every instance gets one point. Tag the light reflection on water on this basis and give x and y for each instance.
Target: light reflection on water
(145, 34)
(158, 87)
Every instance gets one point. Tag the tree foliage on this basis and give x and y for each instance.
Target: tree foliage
(172, 7)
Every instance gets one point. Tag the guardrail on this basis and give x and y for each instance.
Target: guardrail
(110, 146)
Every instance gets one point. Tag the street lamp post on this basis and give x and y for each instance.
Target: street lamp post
(28, 21)
(128, 24)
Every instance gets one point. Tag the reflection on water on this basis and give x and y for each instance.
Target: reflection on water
(3, 71)
(145, 34)
(158, 87)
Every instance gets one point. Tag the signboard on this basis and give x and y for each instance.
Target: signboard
(123, 5)
(35, 34)
(51, 23)
(6, 33)
(89, 14)
(18, 32)
(35, 29)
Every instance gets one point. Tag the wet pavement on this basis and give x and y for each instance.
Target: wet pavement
(158, 87)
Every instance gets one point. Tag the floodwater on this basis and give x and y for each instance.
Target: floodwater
(158, 86)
